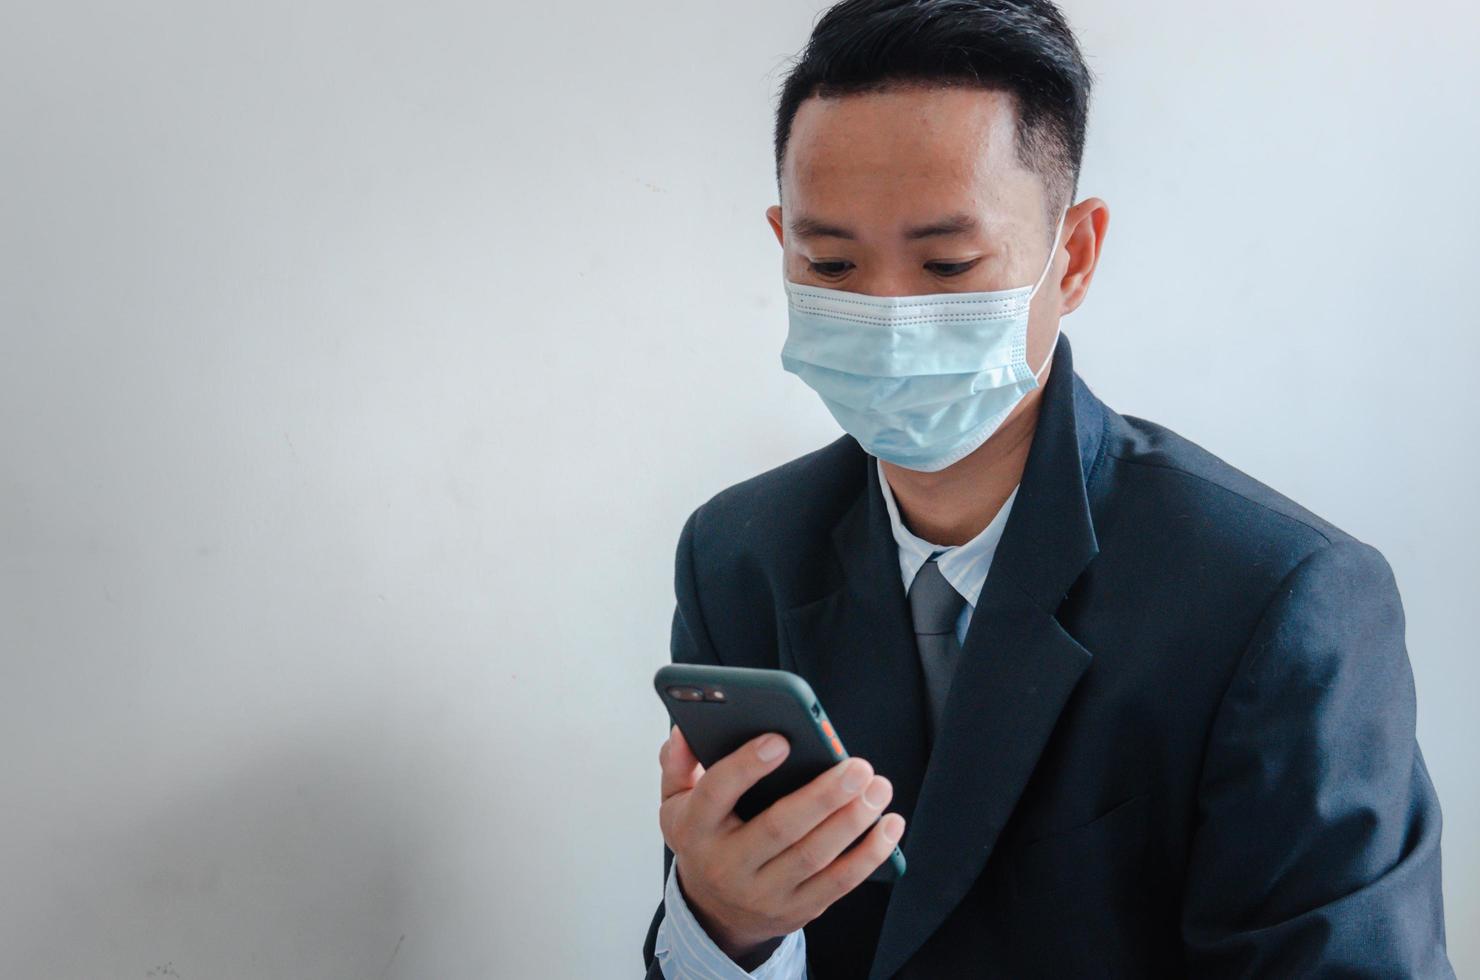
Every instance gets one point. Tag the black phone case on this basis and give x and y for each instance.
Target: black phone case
(757, 701)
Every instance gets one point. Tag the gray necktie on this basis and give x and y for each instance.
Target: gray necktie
(935, 606)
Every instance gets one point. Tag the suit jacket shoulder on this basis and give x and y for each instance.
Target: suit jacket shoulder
(1177, 495)
(763, 545)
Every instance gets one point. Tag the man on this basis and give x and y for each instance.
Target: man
(1134, 712)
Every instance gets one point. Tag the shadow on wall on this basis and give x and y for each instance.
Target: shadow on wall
(290, 865)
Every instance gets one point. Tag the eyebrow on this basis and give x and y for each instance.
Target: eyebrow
(956, 224)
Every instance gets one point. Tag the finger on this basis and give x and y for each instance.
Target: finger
(819, 847)
(792, 817)
(727, 780)
(680, 769)
(683, 753)
(847, 872)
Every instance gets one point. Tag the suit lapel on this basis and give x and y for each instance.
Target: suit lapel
(850, 645)
(1018, 667)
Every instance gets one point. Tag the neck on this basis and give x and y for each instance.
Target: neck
(953, 506)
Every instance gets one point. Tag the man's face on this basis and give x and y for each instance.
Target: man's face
(915, 190)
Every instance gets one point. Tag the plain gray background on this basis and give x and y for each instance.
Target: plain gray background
(360, 362)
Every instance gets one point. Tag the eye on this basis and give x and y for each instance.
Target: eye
(950, 268)
(830, 270)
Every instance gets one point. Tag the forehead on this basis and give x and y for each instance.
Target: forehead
(904, 151)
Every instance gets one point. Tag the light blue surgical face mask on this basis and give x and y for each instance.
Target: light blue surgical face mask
(920, 381)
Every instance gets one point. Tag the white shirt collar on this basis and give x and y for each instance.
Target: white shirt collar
(965, 566)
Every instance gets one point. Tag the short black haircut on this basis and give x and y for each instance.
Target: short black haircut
(1021, 47)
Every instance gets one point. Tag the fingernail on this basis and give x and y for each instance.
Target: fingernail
(770, 748)
(853, 777)
(893, 827)
(877, 793)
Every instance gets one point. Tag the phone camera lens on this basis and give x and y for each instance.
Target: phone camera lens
(686, 694)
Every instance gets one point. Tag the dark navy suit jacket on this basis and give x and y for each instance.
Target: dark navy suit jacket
(1180, 737)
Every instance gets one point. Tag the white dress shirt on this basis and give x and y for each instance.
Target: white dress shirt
(683, 948)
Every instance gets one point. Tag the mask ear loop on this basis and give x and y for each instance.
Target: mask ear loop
(1058, 328)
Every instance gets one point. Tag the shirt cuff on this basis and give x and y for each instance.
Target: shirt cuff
(685, 951)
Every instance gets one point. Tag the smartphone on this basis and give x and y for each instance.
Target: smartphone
(719, 709)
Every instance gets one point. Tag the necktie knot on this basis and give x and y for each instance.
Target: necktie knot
(935, 605)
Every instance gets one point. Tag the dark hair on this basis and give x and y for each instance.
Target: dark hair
(1022, 47)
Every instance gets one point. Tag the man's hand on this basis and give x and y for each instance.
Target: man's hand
(750, 882)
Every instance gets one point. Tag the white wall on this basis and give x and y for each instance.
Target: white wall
(359, 364)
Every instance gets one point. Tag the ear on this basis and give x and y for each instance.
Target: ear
(773, 215)
(1084, 237)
